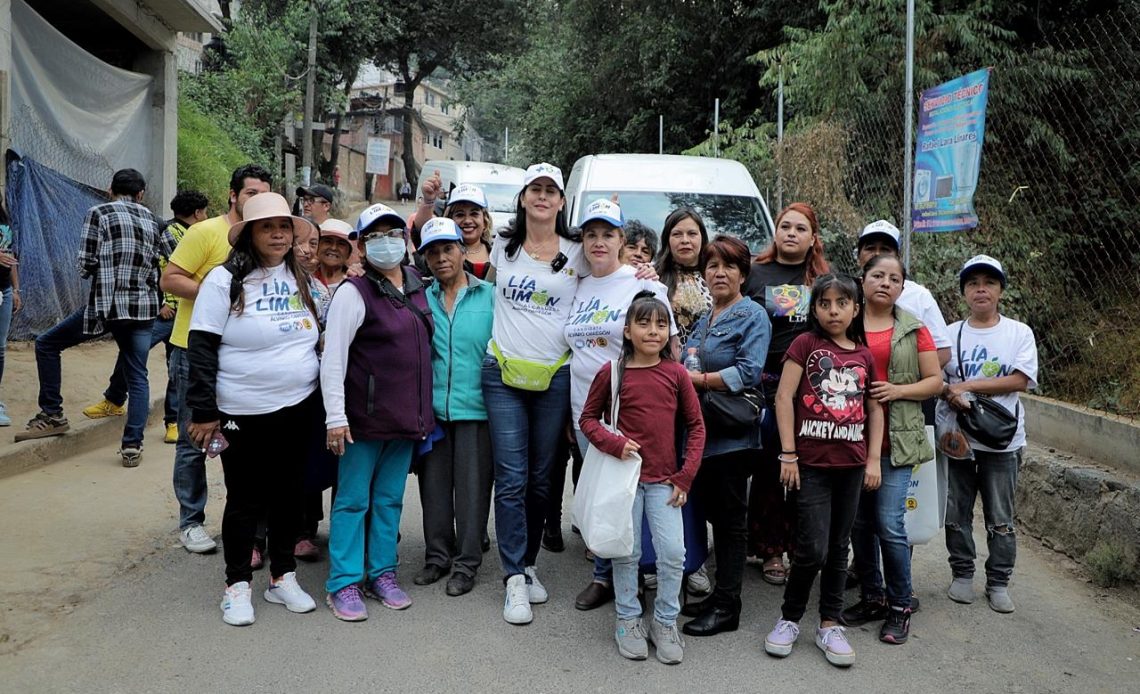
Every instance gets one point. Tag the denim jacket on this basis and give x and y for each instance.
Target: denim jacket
(735, 347)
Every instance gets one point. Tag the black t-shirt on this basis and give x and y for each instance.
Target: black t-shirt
(781, 290)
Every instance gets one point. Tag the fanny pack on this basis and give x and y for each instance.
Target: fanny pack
(524, 374)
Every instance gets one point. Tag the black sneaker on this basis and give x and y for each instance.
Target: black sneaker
(552, 539)
(862, 612)
(897, 627)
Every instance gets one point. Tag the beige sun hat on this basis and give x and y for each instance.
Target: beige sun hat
(268, 206)
(339, 229)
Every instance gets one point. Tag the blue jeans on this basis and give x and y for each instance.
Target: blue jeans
(370, 486)
(525, 426)
(668, 533)
(880, 526)
(5, 326)
(994, 475)
(133, 339)
(603, 568)
(117, 387)
(189, 460)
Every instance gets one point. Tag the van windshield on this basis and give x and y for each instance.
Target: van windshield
(737, 215)
(500, 196)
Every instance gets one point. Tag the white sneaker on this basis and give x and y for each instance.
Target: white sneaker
(286, 591)
(537, 591)
(516, 607)
(237, 609)
(698, 582)
(196, 539)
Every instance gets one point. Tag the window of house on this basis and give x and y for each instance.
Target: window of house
(429, 97)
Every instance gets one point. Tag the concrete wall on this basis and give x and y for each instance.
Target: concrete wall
(1107, 439)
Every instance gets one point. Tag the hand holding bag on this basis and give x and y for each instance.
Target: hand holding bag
(603, 502)
(986, 421)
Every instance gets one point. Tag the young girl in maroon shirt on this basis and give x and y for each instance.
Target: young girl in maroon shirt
(654, 392)
(831, 433)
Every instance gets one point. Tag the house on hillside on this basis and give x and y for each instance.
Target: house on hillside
(373, 114)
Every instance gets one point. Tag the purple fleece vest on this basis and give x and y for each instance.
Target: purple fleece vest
(388, 383)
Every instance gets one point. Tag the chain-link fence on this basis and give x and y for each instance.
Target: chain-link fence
(1057, 198)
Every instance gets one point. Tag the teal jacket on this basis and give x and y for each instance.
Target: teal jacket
(457, 350)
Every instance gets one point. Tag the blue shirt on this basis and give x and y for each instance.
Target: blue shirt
(457, 349)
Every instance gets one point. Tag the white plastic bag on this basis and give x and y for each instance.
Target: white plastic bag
(952, 441)
(603, 501)
(923, 499)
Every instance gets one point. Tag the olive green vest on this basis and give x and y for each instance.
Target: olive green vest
(909, 445)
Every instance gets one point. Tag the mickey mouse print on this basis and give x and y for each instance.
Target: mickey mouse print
(829, 406)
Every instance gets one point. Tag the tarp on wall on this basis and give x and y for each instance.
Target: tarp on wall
(47, 210)
(71, 111)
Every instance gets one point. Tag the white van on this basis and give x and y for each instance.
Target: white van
(500, 183)
(650, 186)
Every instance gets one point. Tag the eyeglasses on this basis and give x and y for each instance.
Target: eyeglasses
(310, 201)
(393, 234)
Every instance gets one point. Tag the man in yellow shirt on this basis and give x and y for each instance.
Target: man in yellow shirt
(205, 246)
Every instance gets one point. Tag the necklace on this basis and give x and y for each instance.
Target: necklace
(537, 251)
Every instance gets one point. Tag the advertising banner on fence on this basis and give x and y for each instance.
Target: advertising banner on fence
(948, 153)
(376, 159)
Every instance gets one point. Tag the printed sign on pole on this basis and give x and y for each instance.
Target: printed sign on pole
(376, 160)
(948, 153)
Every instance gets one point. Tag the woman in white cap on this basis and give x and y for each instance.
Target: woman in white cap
(594, 335)
(467, 207)
(456, 475)
(376, 382)
(253, 375)
(997, 356)
(333, 253)
(526, 378)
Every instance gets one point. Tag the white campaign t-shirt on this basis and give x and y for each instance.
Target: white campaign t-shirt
(267, 359)
(994, 352)
(596, 324)
(532, 301)
(918, 300)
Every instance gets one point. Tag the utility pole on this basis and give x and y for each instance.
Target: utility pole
(716, 128)
(661, 134)
(780, 141)
(908, 138)
(506, 144)
(310, 88)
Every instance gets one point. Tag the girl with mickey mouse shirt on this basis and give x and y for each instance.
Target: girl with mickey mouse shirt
(831, 432)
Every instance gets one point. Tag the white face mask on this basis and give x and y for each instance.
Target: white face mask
(385, 252)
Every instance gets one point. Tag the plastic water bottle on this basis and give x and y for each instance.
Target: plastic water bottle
(692, 361)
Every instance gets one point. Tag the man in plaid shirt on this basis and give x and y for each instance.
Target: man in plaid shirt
(189, 207)
(120, 249)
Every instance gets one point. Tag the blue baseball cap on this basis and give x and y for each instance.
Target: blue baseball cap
(467, 193)
(439, 230)
(981, 263)
(604, 210)
(378, 212)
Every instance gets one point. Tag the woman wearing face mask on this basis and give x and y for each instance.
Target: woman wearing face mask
(594, 335)
(376, 378)
(780, 281)
(683, 241)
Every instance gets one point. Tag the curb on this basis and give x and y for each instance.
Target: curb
(85, 436)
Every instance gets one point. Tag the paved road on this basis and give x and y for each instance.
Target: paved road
(98, 597)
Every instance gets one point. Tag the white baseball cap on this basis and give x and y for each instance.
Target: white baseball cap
(984, 263)
(437, 230)
(544, 170)
(604, 210)
(880, 227)
(467, 192)
(339, 229)
(377, 212)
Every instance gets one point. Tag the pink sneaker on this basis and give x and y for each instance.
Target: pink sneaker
(256, 560)
(348, 604)
(388, 591)
(305, 550)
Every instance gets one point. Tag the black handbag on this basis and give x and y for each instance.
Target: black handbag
(987, 421)
(732, 412)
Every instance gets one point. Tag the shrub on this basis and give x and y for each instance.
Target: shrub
(1111, 564)
(206, 156)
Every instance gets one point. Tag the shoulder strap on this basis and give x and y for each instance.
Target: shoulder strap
(958, 351)
(387, 288)
(615, 392)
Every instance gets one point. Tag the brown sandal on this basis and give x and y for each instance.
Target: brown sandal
(774, 571)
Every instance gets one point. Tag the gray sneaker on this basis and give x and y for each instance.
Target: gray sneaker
(999, 600)
(630, 638)
(131, 455)
(961, 590)
(670, 645)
